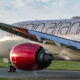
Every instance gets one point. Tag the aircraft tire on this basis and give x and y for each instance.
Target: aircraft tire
(11, 69)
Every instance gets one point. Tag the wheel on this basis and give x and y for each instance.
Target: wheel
(14, 69)
(11, 69)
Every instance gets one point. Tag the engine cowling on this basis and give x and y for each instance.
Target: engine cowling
(28, 56)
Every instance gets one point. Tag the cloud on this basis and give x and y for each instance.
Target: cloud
(45, 1)
(37, 1)
(19, 3)
(29, 1)
(20, 10)
(57, 4)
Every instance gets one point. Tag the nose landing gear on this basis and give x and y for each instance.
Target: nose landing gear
(11, 69)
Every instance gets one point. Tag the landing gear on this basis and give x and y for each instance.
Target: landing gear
(11, 69)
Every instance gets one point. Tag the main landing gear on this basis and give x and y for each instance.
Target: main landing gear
(11, 68)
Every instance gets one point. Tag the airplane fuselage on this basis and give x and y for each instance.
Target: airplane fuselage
(61, 28)
(67, 29)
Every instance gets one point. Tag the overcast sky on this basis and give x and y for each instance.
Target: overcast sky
(21, 10)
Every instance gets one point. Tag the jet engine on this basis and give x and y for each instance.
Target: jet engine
(29, 57)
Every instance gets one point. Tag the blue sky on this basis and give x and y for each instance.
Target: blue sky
(21, 10)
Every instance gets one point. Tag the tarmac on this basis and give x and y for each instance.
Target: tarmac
(40, 75)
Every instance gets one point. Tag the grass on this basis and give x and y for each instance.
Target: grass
(2, 64)
(64, 65)
(55, 65)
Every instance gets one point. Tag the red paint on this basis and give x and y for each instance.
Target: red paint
(23, 56)
(24, 31)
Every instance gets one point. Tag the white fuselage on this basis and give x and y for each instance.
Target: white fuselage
(68, 28)
(7, 42)
(62, 28)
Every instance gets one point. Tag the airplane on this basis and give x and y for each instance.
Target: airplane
(21, 43)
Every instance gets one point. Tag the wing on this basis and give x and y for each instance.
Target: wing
(35, 35)
(59, 40)
(17, 31)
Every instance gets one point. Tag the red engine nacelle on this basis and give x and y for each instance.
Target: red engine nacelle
(28, 56)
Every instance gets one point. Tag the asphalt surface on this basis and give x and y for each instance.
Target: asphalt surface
(41, 75)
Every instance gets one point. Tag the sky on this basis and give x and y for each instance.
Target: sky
(12, 11)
